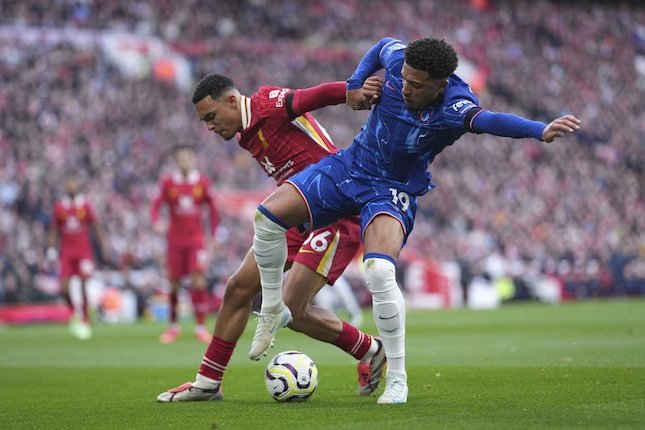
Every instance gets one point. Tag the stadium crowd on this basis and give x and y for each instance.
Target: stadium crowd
(572, 210)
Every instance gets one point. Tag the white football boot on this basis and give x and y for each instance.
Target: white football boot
(396, 388)
(268, 324)
(189, 393)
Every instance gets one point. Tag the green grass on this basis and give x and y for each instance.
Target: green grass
(524, 366)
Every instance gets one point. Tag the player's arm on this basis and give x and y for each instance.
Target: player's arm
(155, 209)
(370, 64)
(309, 99)
(52, 239)
(509, 125)
(213, 213)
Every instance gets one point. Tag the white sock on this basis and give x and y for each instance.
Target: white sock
(389, 309)
(370, 352)
(205, 382)
(270, 249)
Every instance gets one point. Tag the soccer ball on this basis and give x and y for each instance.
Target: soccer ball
(291, 376)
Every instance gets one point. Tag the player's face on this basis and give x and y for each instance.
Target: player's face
(185, 159)
(71, 186)
(419, 89)
(222, 115)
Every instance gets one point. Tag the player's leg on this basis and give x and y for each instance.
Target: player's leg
(64, 291)
(198, 291)
(281, 210)
(310, 196)
(300, 288)
(66, 271)
(83, 329)
(174, 270)
(65, 280)
(229, 326)
(383, 239)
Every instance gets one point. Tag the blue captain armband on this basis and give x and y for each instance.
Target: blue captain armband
(479, 120)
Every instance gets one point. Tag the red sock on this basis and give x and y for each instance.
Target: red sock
(200, 303)
(353, 341)
(216, 358)
(173, 307)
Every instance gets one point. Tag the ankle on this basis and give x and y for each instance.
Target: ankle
(205, 382)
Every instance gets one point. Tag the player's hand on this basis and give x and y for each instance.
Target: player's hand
(159, 227)
(559, 127)
(372, 89)
(356, 100)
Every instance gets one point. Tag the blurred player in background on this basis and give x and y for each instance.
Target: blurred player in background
(330, 296)
(185, 192)
(423, 107)
(275, 127)
(72, 220)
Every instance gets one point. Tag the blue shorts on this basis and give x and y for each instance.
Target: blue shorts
(332, 193)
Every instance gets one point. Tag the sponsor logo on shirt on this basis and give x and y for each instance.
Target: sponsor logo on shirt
(463, 106)
(271, 169)
(268, 166)
(281, 94)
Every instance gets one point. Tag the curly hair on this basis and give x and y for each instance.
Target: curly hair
(213, 85)
(434, 56)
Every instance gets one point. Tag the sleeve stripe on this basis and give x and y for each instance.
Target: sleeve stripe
(470, 118)
(288, 104)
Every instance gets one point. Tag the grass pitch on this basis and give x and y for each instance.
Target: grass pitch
(524, 366)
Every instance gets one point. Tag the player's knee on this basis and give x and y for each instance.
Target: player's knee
(301, 316)
(266, 225)
(380, 274)
(238, 293)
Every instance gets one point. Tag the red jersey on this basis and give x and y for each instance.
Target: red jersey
(185, 197)
(73, 219)
(280, 141)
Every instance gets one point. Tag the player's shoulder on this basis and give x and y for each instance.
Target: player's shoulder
(269, 102)
(270, 94)
(458, 97)
(204, 180)
(457, 89)
(392, 52)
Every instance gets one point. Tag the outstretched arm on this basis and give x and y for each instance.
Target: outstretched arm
(310, 99)
(328, 94)
(508, 125)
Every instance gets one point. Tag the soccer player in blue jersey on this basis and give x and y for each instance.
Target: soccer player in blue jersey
(422, 108)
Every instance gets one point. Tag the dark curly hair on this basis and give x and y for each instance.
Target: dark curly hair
(213, 85)
(434, 56)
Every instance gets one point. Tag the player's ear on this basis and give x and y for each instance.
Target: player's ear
(232, 101)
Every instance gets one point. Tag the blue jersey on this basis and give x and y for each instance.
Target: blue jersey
(395, 144)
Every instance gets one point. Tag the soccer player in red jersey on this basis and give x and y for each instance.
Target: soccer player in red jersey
(275, 126)
(72, 220)
(185, 192)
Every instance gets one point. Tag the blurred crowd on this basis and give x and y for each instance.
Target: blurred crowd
(502, 207)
